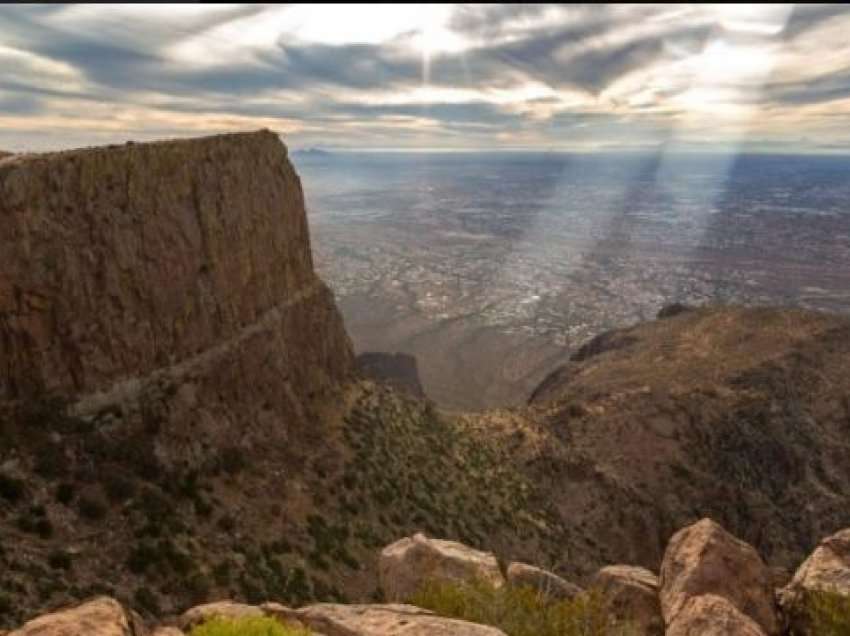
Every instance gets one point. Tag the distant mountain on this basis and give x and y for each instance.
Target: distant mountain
(310, 152)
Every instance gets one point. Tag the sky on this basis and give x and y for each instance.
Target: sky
(451, 77)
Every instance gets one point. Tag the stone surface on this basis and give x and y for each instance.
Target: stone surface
(826, 570)
(169, 281)
(99, 617)
(381, 620)
(548, 583)
(167, 631)
(705, 559)
(220, 609)
(632, 594)
(711, 615)
(405, 565)
(119, 261)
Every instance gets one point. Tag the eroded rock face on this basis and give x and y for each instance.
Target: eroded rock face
(711, 615)
(220, 609)
(169, 280)
(99, 617)
(547, 583)
(826, 570)
(381, 620)
(405, 565)
(632, 594)
(705, 559)
(118, 261)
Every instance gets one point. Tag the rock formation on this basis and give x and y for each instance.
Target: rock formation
(380, 620)
(406, 564)
(705, 559)
(712, 615)
(547, 583)
(826, 570)
(632, 595)
(99, 617)
(178, 267)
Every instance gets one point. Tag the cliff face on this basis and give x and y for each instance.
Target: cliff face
(167, 281)
(120, 261)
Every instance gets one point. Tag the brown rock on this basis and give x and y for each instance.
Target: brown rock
(99, 617)
(174, 274)
(167, 631)
(549, 584)
(219, 609)
(127, 246)
(405, 565)
(711, 615)
(705, 559)
(826, 570)
(632, 595)
(383, 620)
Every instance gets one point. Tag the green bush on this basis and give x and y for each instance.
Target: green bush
(828, 614)
(521, 611)
(253, 626)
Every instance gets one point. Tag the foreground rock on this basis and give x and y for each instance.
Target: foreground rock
(549, 584)
(711, 615)
(99, 617)
(404, 566)
(705, 559)
(220, 609)
(378, 620)
(632, 595)
(826, 570)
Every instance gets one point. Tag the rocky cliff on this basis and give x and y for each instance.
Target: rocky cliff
(180, 269)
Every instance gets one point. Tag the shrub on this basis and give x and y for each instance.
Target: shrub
(11, 489)
(92, 507)
(520, 611)
(64, 493)
(59, 560)
(828, 614)
(147, 600)
(252, 626)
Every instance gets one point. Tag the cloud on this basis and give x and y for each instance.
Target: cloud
(470, 75)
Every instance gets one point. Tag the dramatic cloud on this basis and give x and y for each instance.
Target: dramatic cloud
(436, 76)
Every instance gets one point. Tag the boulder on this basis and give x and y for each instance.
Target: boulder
(632, 595)
(405, 565)
(549, 584)
(705, 559)
(101, 616)
(712, 615)
(826, 570)
(378, 620)
(219, 609)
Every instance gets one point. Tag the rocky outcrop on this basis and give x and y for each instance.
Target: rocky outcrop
(712, 615)
(399, 370)
(220, 609)
(705, 559)
(171, 277)
(632, 595)
(99, 617)
(826, 570)
(404, 566)
(380, 620)
(547, 583)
